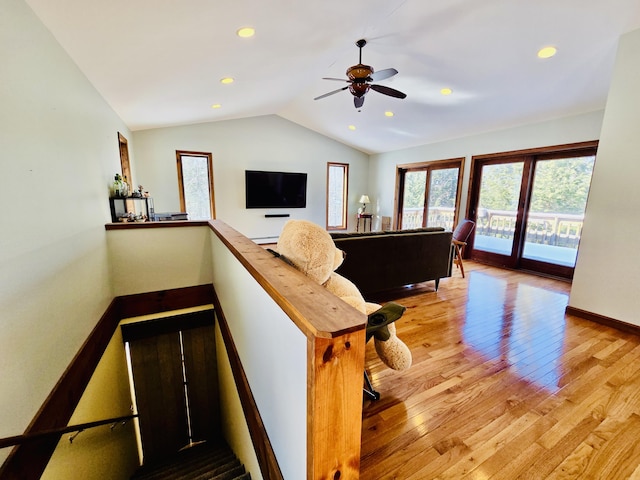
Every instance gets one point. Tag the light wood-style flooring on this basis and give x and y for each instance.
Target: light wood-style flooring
(503, 385)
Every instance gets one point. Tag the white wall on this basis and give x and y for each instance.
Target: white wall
(273, 352)
(259, 143)
(234, 424)
(153, 259)
(607, 271)
(382, 171)
(100, 452)
(59, 152)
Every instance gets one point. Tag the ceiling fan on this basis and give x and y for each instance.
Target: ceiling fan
(359, 79)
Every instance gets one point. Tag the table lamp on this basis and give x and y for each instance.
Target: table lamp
(364, 199)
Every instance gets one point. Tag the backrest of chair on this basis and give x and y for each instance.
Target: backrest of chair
(463, 230)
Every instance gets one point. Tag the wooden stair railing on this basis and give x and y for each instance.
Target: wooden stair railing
(58, 432)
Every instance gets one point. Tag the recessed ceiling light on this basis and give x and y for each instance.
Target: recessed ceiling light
(388, 113)
(216, 105)
(547, 52)
(446, 91)
(226, 80)
(246, 32)
(352, 127)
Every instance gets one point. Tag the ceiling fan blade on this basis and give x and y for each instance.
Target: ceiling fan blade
(331, 93)
(358, 101)
(336, 79)
(388, 91)
(382, 74)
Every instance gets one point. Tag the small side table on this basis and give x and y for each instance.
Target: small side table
(364, 217)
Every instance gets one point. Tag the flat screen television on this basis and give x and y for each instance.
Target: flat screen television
(275, 189)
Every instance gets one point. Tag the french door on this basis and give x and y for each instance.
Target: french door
(429, 194)
(529, 207)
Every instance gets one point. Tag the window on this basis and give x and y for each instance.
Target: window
(429, 194)
(337, 189)
(195, 182)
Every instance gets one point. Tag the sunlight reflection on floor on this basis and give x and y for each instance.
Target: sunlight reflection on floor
(505, 321)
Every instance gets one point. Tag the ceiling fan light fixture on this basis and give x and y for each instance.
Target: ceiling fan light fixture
(547, 52)
(246, 32)
(359, 78)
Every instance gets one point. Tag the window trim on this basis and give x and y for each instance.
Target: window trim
(345, 195)
(209, 157)
(402, 169)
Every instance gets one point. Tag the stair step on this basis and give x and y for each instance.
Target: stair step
(200, 462)
(232, 474)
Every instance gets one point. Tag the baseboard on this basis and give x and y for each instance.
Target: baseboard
(603, 320)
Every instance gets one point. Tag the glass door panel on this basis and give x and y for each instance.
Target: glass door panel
(498, 207)
(415, 184)
(443, 189)
(556, 212)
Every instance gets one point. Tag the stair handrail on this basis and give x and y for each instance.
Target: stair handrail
(29, 437)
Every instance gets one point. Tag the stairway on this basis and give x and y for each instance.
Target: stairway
(201, 462)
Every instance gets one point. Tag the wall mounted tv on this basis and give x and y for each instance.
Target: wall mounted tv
(275, 189)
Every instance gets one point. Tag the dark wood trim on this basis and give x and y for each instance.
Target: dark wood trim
(29, 460)
(262, 445)
(164, 300)
(209, 157)
(21, 439)
(603, 320)
(345, 196)
(125, 164)
(163, 224)
(551, 149)
(160, 326)
(445, 163)
(429, 166)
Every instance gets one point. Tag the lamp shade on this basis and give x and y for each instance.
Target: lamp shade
(364, 199)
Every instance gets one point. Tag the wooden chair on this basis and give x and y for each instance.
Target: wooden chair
(459, 240)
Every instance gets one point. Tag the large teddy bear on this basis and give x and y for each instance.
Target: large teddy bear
(310, 249)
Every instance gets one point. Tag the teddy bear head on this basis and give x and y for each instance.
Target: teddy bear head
(310, 249)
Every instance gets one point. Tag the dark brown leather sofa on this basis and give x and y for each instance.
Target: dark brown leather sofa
(378, 261)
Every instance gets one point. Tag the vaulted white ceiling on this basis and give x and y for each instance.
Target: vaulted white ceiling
(159, 62)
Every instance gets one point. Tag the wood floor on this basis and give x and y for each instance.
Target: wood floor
(503, 385)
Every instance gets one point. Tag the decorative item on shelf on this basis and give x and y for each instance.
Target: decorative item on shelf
(120, 188)
(364, 199)
(133, 217)
(141, 192)
(125, 187)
